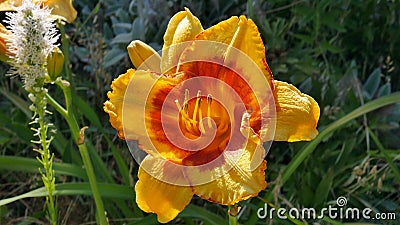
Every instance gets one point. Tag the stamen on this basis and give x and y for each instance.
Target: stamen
(201, 126)
(209, 100)
(197, 105)
(186, 118)
(177, 104)
(186, 100)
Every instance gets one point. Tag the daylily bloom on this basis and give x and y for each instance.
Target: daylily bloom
(202, 112)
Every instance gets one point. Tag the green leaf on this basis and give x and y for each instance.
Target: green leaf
(384, 90)
(323, 188)
(385, 155)
(372, 83)
(106, 190)
(124, 38)
(15, 163)
(148, 220)
(86, 110)
(326, 46)
(193, 211)
(113, 56)
(19, 102)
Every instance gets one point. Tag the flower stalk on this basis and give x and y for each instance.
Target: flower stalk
(32, 36)
(38, 97)
(69, 116)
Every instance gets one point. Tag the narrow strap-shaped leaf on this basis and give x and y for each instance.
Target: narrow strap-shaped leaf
(112, 191)
(16, 163)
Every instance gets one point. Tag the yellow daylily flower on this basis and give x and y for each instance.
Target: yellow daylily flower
(234, 156)
(62, 9)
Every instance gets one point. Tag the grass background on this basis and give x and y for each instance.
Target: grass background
(343, 53)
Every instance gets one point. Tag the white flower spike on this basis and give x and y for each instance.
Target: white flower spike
(33, 36)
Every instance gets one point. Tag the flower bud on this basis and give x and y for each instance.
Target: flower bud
(182, 27)
(144, 56)
(55, 63)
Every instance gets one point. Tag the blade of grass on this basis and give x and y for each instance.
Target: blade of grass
(15, 163)
(113, 191)
(193, 211)
(101, 167)
(19, 102)
(86, 110)
(310, 147)
(388, 159)
(150, 219)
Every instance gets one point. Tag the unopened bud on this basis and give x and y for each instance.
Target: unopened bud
(144, 56)
(234, 210)
(357, 171)
(374, 171)
(379, 186)
(55, 63)
(32, 97)
(32, 108)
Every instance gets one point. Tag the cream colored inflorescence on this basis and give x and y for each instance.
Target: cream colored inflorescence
(33, 37)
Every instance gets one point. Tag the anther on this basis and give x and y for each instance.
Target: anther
(197, 105)
(209, 100)
(201, 126)
(186, 100)
(177, 104)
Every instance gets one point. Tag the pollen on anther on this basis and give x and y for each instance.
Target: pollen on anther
(177, 104)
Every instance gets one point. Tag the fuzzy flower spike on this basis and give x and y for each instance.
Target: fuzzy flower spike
(32, 38)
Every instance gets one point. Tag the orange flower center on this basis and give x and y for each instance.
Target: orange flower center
(204, 116)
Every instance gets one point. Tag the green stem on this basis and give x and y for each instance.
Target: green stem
(69, 116)
(232, 218)
(76, 133)
(46, 158)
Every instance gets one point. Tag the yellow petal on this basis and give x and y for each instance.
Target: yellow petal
(6, 5)
(297, 114)
(134, 107)
(245, 179)
(182, 27)
(114, 105)
(61, 8)
(4, 35)
(144, 56)
(127, 103)
(154, 196)
(242, 34)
